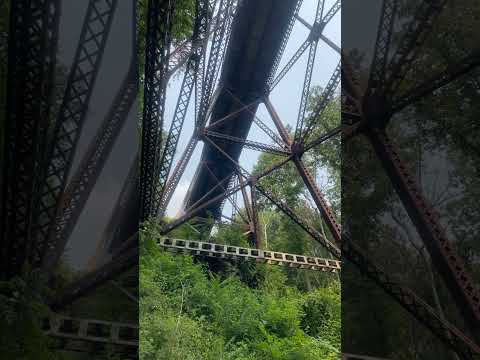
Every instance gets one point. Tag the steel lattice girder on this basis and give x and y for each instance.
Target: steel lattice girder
(200, 35)
(239, 253)
(107, 332)
(418, 29)
(382, 44)
(122, 261)
(203, 96)
(423, 216)
(268, 15)
(373, 116)
(85, 177)
(31, 68)
(71, 117)
(158, 38)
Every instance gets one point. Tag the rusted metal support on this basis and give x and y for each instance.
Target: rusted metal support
(32, 46)
(432, 233)
(419, 309)
(257, 234)
(77, 192)
(201, 248)
(157, 52)
(307, 178)
(68, 127)
(119, 264)
(249, 144)
(415, 35)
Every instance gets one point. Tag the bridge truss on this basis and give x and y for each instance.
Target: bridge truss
(367, 109)
(38, 221)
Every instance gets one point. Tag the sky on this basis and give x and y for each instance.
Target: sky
(285, 97)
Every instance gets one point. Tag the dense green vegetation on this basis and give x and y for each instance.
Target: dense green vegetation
(193, 308)
(188, 312)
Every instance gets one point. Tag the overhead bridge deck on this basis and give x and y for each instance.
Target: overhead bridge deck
(257, 34)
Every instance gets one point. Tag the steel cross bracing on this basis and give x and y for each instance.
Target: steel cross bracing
(71, 116)
(200, 37)
(84, 179)
(230, 88)
(405, 297)
(31, 66)
(382, 45)
(416, 34)
(157, 49)
(249, 144)
(201, 248)
(77, 191)
(214, 137)
(217, 49)
(313, 37)
(123, 260)
(371, 113)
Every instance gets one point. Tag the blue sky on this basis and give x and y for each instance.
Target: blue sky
(285, 97)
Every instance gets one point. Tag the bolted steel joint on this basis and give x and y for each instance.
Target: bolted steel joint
(317, 30)
(297, 149)
(376, 111)
(200, 133)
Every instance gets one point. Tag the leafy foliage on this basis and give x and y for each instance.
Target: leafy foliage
(188, 312)
(22, 311)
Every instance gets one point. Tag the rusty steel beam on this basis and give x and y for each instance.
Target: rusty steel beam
(71, 118)
(32, 45)
(249, 144)
(417, 31)
(223, 251)
(428, 226)
(157, 51)
(119, 264)
(419, 309)
(450, 74)
(77, 192)
(382, 45)
(307, 178)
(257, 234)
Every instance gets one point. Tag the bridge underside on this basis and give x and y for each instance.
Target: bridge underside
(256, 38)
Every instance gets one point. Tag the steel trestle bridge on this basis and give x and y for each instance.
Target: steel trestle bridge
(229, 66)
